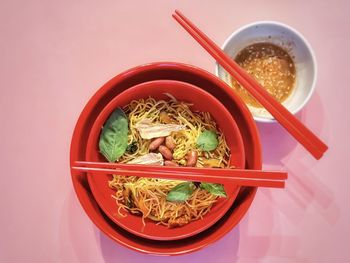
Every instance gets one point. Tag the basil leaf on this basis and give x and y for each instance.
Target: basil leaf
(114, 136)
(181, 192)
(207, 141)
(215, 189)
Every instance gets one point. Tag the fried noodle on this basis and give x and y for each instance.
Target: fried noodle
(147, 197)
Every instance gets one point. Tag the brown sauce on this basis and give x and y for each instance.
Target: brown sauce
(271, 66)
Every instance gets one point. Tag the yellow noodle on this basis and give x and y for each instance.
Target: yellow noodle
(148, 196)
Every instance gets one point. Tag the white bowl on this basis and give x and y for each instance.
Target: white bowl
(293, 42)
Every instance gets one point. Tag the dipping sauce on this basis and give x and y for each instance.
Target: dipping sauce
(271, 66)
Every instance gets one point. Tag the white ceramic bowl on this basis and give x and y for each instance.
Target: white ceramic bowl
(293, 42)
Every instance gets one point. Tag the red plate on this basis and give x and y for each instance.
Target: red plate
(201, 101)
(176, 71)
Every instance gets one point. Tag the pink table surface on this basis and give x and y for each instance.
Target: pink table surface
(55, 54)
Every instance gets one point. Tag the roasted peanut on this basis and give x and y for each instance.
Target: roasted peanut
(165, 152)
(170, 143)
(170, 163)
(192, 157)
(155, 143)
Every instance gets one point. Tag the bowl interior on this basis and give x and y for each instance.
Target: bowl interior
(200, 100)
(294, 43)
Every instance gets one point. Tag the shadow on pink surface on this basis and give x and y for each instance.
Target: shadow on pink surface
(277, 143)
(240, 245)
(213, 253)
(85, 243)
(77, 238)
(261, 234)
(307, 190)
(304, 188)
(236, 246)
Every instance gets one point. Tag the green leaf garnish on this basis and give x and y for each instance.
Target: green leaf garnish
(215, 189)
(207, 141)
(181, 192)
(114, 136)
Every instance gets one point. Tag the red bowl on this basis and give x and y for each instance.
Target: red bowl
(201, 101)
(189, 74)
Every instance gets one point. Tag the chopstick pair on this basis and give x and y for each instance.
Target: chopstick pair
(298, 130)
(255, 178)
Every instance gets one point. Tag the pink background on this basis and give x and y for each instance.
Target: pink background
(56, 54)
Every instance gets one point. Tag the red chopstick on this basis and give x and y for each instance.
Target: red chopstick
(298, 130)
(275, 179)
